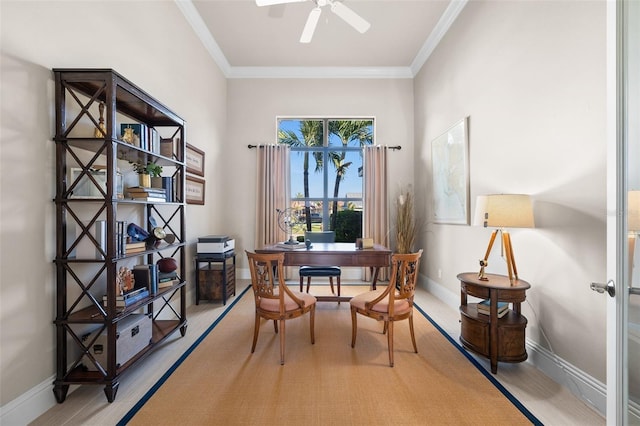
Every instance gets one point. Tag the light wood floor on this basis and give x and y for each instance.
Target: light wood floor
(549, 402)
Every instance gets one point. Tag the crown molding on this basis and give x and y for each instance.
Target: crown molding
(320, 72)
(444, 23)
(200, 28)
(195, 20)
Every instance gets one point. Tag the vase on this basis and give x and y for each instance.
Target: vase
(145, 181)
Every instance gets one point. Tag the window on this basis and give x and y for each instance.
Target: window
(326, 173)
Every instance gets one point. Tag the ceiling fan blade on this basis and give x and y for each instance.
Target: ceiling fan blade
(350, 17)
(310, 26)
(272, 2)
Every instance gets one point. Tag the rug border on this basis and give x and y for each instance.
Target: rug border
(138, 405)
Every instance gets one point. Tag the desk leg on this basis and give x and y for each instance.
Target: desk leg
(374, 278)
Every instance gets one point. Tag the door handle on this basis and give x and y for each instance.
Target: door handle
(609, 287)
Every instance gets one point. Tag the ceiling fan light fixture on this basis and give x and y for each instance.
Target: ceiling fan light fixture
(310, 26)
(350, 17)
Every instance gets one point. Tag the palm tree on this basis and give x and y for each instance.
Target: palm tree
(311, 131)
(347, 131)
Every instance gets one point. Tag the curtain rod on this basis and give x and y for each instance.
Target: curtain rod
(398, 147)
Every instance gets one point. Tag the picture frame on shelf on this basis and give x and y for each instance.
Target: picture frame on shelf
(194, 190)
(194, 159)
(86, 188)
(450, 168)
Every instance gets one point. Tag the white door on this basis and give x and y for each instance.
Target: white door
(623, 175)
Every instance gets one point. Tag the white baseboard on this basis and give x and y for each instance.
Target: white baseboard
(589, 390)
(30, 405)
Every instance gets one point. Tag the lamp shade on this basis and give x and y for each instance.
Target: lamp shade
(504, 211)
(633, 213)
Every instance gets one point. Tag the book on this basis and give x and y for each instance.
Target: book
(128, 301)
(156, 199)
(145, 190)
(286, 246)
(163, 276)
(168, 283)
(484, 308)
(127, 295)
(146, 277)
(136, 244)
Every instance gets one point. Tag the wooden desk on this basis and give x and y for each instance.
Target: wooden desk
(338, 254)
(499, 339)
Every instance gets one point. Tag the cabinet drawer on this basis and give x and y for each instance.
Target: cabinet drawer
(475, 334)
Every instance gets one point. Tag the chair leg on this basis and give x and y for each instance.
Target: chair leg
(385, 327)
(413, 337)
(308, 283)
(390, 342)
(275, 326)
(256, 328)
(331, 284)
(301, 278)
(354, 327)
(282, 322)
(312, 322)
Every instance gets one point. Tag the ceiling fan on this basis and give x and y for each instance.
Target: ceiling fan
(337, 7)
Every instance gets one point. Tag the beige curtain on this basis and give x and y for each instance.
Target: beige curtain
(272, 189)
(376, 200)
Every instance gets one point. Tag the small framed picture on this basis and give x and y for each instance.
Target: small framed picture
(194, 159)
(194, 190)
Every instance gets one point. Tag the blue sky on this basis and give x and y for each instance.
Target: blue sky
(351, 183)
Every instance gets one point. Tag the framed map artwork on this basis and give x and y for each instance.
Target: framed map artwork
(450, 167)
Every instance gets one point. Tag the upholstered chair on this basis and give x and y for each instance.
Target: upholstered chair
(274, 300)
(393, 303)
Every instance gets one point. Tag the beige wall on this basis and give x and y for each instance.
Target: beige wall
(170, 64)
(253, 106)
(531, 77)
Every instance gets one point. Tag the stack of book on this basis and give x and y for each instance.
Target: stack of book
(135, 247)
(129, 298)
(142, 193)
(167, 279)
(484, 308)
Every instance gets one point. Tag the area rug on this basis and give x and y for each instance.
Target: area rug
(219, 381)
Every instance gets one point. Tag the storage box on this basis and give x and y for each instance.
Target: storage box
(215, 244)
(211, 285)
(133, 335)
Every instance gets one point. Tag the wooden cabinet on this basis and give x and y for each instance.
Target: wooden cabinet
(499, 339)
(93, 170)
(216, 279)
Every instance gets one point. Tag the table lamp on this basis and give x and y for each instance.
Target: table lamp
(503, 211)
(633, 226)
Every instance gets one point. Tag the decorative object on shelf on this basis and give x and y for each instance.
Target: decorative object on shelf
(101, 130)
(146, 172)
(85, 188)
(194, 190)
(137, 233)
(503, 211)
(194, 160)
(450, 168)
(405, 222)
(167, 264)
(130, 137)
(125, 281)
(287, 220)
